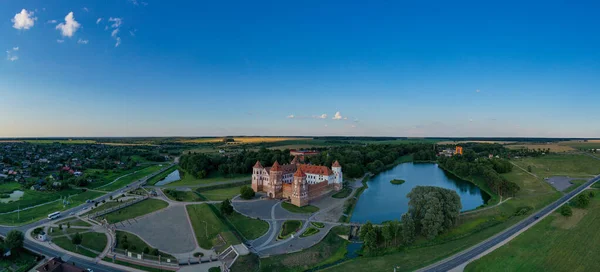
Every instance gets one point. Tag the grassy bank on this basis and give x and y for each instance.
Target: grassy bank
(556, 243)
(124, 181)
(138, 209)
(162, 175)
(207, 226)
(189, 180)
(135, 244)
(249, 228)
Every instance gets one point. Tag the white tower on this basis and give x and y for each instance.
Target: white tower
(337, 170)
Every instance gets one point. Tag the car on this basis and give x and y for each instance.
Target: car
(71, 213)
(537, 217)
(89, 270)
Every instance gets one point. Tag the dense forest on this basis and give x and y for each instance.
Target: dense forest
(471, 164)
(356, 160)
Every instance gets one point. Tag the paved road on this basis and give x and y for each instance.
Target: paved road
(480, 248)
(40, 249)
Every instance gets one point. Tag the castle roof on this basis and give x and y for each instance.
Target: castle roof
(299, 173)
(336, 164)
(295, 160)
(257, 165)
(276, 167)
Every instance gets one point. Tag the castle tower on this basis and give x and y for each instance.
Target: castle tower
(257, 170)
(339, 180)
(299, 189)
(276, 181)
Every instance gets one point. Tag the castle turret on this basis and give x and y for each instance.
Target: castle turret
(299, 189)
(257, 171)
(276, 181)
(339, 180)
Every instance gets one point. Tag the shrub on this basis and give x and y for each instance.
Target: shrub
(198, 254)
(581, 201)
(246, 192)
(133, 247)
(146, 250)
(523, 210)
(154, 252)
(566, 210)
(214, 269)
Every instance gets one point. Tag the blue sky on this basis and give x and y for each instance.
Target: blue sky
(389, 68)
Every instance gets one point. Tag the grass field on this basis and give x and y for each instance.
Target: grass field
(74, 222)
(248, 262)
(187, 179)
(561, 165)
(579, 144)
(122, 182)
(346, 191)
(186, 196)
(309, 231)
(68, 245)
(9, 187)
(136, 244)
(135, 210)
(207, 226)
(330, 249)
(37, 213)
(249, 228)
(220, 194)
(162, 175)
(295, 209)
(94, 241)
(106, 205)
(556, 243)
(289, 227)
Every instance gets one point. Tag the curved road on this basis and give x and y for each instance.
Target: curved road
(465, 256)
(49, 252)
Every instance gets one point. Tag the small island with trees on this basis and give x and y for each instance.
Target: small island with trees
(397, 181)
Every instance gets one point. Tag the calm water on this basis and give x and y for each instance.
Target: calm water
(384, 201)
(14, 196)
(174, 176)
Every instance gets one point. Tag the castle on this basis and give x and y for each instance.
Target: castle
(298, 182)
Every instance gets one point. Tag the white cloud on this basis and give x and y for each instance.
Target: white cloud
(86, 9)
(337, 116)
(116, 22)
(69, 27)
(10, 54)
(326, 125)
(52, 22)
(478, 90)
(23, 20)
(60, 41)
(82, 41)
(116, 25)
(345, 118)
(291, 116)
(322, 116)
(99, 20)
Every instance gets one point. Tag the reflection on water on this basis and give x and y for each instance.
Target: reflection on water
(384, 201)
(174, 176)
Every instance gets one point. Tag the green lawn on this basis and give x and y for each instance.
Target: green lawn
(345, 192)
(102, 177)
(309, 231)
(136, 244)
(289, 227)
(186, 196)
(122, 182)
(34, 214)
(9, 187)
(188, 179)
(295, 209)
(556, 243)
(138, 209)
(248, 262)
(329, 250)
(249, 228)
(94, 240)
(66, 244)
(74, 222)
(32, 198)
(140, 267)
(105, 206)
(220, 194)
(561, 165)
(162, 175)
(207, 226)
(318, 224)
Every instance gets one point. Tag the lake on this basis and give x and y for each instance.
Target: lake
(384, 201)
(173, 176)
(14, 196)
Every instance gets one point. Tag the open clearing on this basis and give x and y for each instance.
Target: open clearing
(549, 246)
(207, 226)
(220, 194)
(135, 210)
(561, 165)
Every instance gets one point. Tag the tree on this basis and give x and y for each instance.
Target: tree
(77, 238)
(14, 239)
(433, 209)
(581, 201)
(566, 210)
(370, 240)
(247, 192)
(226, 207)
(154, 252)
(408, 229)
(529, 168)
(146, 250)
